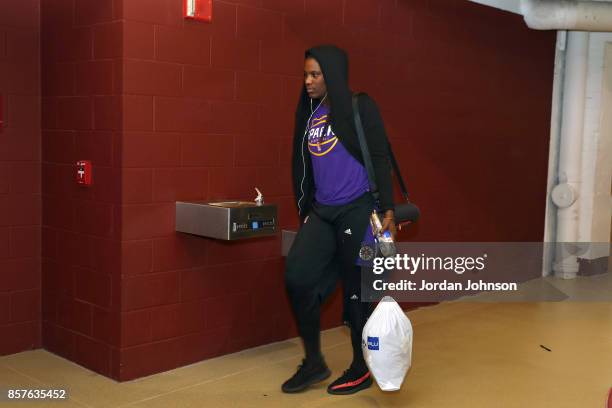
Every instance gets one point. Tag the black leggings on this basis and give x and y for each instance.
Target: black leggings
(325, 249)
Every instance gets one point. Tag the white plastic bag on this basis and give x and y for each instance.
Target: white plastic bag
(387, 344)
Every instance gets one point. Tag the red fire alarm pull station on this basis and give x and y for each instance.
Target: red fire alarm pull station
(200, 10)
(83, 172)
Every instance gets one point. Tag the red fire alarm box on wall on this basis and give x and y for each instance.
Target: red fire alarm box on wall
(83, 172)
(198, 10)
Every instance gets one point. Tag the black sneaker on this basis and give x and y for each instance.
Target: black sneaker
(306, 375)
(352, 380)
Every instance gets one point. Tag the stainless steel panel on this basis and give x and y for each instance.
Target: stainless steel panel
(198, 218)
(227, 220)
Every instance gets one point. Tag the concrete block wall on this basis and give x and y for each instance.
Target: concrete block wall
(169, 109)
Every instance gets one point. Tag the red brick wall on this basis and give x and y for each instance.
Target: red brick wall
(469, 119)
(208, 110)
(172, 110)
(202, 120)
(20, 201)
(81, 94)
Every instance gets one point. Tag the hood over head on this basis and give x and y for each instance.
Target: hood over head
(334, 65)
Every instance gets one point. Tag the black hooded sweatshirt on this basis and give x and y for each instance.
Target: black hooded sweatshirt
(334, 65)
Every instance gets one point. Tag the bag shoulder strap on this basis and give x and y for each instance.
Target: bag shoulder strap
(367, 159)
(365, 151)
(397, 172)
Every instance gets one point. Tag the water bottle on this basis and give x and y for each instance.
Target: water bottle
(385, 239)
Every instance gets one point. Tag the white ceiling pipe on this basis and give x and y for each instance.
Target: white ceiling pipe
(567, 15)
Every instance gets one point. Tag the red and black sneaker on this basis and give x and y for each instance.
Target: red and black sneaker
(352, 381)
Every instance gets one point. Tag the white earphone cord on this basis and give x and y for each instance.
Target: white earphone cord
(312, 112)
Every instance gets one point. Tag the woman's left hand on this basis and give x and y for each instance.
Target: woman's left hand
(388, 223)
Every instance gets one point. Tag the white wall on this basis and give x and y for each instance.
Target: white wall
(595, 206)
